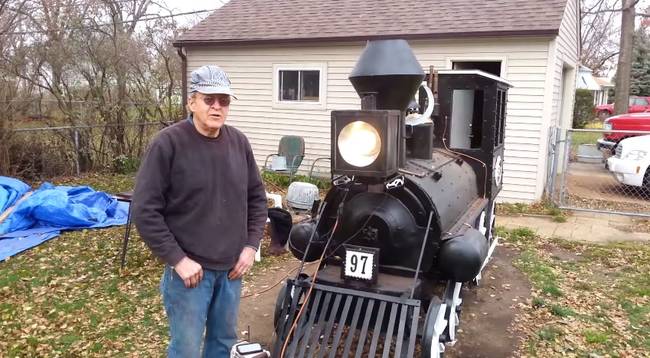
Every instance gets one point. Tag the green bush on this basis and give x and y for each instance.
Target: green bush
(34, 157)
(583, 112)
(283, 181)
(123, 164)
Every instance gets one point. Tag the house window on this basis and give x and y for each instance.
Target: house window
(492, 67)
(299, 85)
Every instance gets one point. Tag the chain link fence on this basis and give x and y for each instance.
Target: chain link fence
(600, 171)
(45, 152)
(42, 138)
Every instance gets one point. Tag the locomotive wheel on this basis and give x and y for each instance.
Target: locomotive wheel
(280, 321)
(279, 303)
(453, 302)
(434, 326)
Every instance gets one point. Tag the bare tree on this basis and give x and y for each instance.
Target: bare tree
(624, 67)
(11, 87)
(101, 61)
(156, 72)
(124, 16)
(599, 34)
(49, 58)
(597, 16)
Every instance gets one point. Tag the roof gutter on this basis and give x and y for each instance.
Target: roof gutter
(431, 36)
(183, 57)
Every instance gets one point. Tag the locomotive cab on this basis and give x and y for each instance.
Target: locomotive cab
(411, 210)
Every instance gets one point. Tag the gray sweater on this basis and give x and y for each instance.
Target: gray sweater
(199, 197)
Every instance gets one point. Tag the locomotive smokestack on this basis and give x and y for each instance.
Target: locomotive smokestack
(388, 69)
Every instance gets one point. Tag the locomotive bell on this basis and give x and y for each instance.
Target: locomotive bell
(368, 142)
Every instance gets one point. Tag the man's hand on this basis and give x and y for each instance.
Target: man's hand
(190, 271)
(244, 263)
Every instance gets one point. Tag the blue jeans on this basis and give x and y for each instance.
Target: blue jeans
(212, 307)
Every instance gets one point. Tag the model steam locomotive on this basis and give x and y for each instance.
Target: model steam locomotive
(409, 218)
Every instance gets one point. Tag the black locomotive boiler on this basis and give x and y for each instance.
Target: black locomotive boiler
(408, 220)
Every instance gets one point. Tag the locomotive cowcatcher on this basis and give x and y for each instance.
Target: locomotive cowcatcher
(410, 216)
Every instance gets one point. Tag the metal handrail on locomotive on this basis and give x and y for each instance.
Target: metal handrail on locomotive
(410, 216)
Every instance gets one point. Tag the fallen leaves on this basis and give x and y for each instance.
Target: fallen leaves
(585, 298)
(68, 298)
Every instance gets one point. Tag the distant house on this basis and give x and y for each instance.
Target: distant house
(602, 95)
(289, 61)
(598, 85)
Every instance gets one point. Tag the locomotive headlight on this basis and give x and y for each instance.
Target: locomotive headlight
(365, 143)
(359, 144)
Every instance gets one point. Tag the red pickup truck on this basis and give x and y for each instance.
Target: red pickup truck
(637, 104)
(629, 121)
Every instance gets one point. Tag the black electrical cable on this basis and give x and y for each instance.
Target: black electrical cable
(424, 244)
(311, 238)
(363, 226)
(444, 142)
(260, 292)
(311, 285)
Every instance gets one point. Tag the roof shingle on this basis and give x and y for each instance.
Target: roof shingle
(252, 21)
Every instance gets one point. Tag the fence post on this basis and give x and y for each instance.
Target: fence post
(565, 165)
(76, 150)
(554, 145)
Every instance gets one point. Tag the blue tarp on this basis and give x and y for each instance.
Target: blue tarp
(51, 209)
(10, 191)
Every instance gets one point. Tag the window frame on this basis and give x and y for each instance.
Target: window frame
(304, 105)
(449, 62)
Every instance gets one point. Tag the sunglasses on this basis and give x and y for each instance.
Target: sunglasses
(224, 101)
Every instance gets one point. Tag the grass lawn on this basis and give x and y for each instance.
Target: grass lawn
(578, 138)
(589, 300)
(67, 298)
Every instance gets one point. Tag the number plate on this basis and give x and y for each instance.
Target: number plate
(360, 263)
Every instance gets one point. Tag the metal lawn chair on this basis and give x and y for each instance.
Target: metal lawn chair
(291, 151)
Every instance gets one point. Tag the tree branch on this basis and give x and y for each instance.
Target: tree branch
(633, 4)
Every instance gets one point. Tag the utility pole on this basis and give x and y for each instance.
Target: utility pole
(624, 67)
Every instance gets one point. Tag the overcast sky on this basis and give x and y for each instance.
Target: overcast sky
(191, 5)
(181, 6)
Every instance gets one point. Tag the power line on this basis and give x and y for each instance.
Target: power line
(147, 17)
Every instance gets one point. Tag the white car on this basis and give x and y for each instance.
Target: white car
(631, 163)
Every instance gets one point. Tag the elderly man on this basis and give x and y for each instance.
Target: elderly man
(200, 206)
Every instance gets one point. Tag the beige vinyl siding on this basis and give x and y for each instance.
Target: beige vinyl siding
(563, 57)
(251, 71)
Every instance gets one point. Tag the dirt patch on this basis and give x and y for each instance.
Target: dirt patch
(592, 186)
(256, 310)
(488, 310)
(641, 225)
(561, 254)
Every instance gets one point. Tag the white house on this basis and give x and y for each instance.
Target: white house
(289, 62)
(598, 85)
(602, 96)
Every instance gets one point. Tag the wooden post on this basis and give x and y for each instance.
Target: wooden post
(10, 209)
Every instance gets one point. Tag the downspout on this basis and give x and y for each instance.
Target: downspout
(183, 79)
